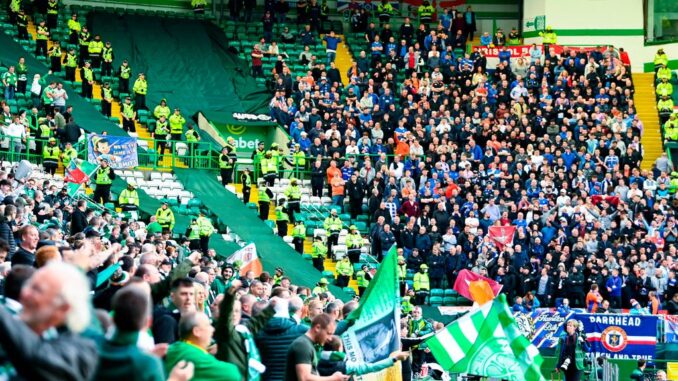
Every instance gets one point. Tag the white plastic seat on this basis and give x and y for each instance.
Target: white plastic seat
(156, 176)
(339, 251)
(167, 176)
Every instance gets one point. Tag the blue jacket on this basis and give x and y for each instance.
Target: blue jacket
(615, 284)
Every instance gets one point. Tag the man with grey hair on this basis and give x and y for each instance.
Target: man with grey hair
(55, 297)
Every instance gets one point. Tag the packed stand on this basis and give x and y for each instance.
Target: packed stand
(436, 147)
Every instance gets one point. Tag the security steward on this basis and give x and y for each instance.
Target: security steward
(103, 178)
(176, 123)
(269, 168)
(298, 236)
(246, 181)
(87, 76)
(363, 277)
(165, 218)
(107, 100)
(124, 73)
(160, 134)
(293, 194)
(281, 217)
(318, 254)
(107, 56)
(52, 14)
(206, 230)
(55, 57)
(354, 241)
(70, 61)
(50, 156)
(83, 41)
(69, 153)
(74, 27)
(41, 39)
(94, 50)
(264, 194)
(129, 198)
(227, 160)
(128, 116)
(193, 235)
(332, 225)
(425, 12)
(140, 89)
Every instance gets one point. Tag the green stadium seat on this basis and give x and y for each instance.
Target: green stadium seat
(328, 274)
(437, 292)
(450, 293)
(305, 256)
(252, 205)
(349, 291)
(194, 202)
(436, 301)
(449, 301)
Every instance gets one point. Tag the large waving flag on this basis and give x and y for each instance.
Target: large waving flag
(476, 287)
(79, 171)
(247, 259)
(487, 342)
(376, 331)
(502, 235)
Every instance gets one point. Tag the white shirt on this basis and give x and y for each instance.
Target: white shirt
(15, 130)
(59, 96)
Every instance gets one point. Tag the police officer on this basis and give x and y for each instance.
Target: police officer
(176, 123)
(332, 225)
(165, 218)
(258, 154)
(319, 253)
(293, 194)
(206, 230)
(50, 156)
(246, 181)
(299, 160)
(124, 73)
(193, 235)
(41, 39)
(344, 272)
(264, 195)
(298, 236)
(103, 178)
(107, 100)
(55, 57)
(281, 217)
(69, 153)
(161, 109)
(22, 25)
(363, 276)
(94, 50)
(269, 168)
(129, 198)
(52, 14)
(160, 134)
(74, 27)
(192, 138)
(107, 57)
(87, 76)
(70, 61)
(140, 89)
(128, 116)
(354, 242)
(425, 12)
(227, 160)
(84, 38)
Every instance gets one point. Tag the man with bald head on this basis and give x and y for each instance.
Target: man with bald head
(195, 336)
(56, 296)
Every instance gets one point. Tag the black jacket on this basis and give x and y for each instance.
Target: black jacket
(273, 341)
(78, 221)
(23, 257)
(7, 234)
(165, 325)
(67, 357)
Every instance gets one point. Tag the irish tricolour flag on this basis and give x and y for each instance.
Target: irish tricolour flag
(487, 342)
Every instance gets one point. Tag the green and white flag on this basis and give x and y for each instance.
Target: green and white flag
(376, 332)
(487, 342)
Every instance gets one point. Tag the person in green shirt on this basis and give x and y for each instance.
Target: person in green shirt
(206, 231)
(318, 253)
(176, 125)
(70, 60)
(55, 57)
(195, 333)
(42, 35)
(344, 272)
(664, 87)
(22, 76)
(9, 81)
(22, 25)
(638, 374)
(660, 58)
(281, 217)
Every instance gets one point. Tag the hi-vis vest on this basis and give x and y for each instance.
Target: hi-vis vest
(319, 250)
(421, 281)
(128, 197)
(125, 72)
(41, 36)
(263, 196)
(102, 176)
(293, 192)
(51, 153)
(362, 280)
(128, 110)
(280, 215)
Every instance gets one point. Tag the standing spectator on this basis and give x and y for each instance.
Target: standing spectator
(469, 23)
(301, 364)
(257, 63)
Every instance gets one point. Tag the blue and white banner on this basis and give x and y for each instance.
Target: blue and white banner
(119, 151)
(542, 326)
(621, 336)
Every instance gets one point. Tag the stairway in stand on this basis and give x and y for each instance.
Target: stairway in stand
(116, 107)
(343, 60)
(646, 106)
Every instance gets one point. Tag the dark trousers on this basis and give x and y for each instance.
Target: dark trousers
(317, 188)
(299, 244)
(70, 73)
(246, 194)
(50, 166)
(436, 282)
(194, 244)
(41, 48)
(342, 280)
(139, 101)
(73, 38)
(102, 193)
(51, 21)
(22, 33)
(84, 55)
(361, 290)
(107, 68)
(123, 85)
(204, 244)
(128, 125)
(226, 176)
(21, 87)
(615, 301)
(161, 145)
(319, 264)
(55, 64)
(263, 210)
(86, 89)
(106, 108)
(572, 373)
(96, 60)
(421, 297)
(282, 228)
(270, 178)
(292, 207)
(354, 255)
(332, 239)
(356, 208)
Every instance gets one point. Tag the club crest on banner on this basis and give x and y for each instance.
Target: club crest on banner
(614, 339)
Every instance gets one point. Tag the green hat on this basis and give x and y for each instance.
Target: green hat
(323, 281)
(353, 227)
(52, 140)
(424, 267)
(274, 144)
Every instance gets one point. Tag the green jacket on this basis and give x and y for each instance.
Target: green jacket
(230, 342)
(207, 367)
(121, 359)
(220, 286)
